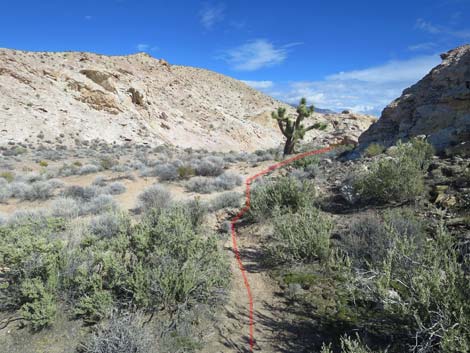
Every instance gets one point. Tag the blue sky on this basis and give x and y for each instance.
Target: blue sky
(358, 54)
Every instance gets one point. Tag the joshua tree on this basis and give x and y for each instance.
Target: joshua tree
(292, 129)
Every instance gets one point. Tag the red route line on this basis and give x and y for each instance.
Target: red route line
(240, 215)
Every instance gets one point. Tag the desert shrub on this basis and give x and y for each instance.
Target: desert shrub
(201, 185)
(8, 176)
(88, 169)
(31, 177)
(226, 200)
(80, 192)
(167, 171)
(65, 207)
(228, 181)
(17, 189)
(349, 345)
(21, 217)
(307, 162)
(185, 171)
(99, 181)
(210, 166)
(196, 211)
(69, 169)
(108, 224)
(5, 193)
(108, 162)
(431, 289)
(122, 334)
(43, 163)
(396, 178)
(94, 306)
(115, 188)
(32, 254)
(190, 267)
(374, 149)
(282, 193)
(40, 190)
(155, 196)
(163, 262)
(368, 240)
(207, 185)
(39, 304)
(99, 204)
(302, 236)
(411, 282)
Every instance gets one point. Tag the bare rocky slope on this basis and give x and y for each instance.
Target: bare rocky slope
(71, 97)
(438, 106)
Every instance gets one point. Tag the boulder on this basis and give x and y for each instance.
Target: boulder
(438, 106)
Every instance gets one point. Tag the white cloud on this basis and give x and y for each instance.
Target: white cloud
(422, 46)
(211, 14)
(427, 26)
(258, 84)
(442, 30)
(256, 54)
(393, 71)
(145, 47)
(367, 91)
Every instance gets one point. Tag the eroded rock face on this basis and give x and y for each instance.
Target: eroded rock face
(438, 106)
(116, 99)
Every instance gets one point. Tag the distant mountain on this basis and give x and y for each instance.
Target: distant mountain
(317, 110)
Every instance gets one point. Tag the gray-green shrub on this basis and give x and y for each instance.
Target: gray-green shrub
(301, 236)
(282, 193)
(155, 196)
(399, 177)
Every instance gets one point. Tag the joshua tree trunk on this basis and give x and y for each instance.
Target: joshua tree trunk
(289, 146)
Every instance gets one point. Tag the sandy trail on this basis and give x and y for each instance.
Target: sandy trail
(232, 333)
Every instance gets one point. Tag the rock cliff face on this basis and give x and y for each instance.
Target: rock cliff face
(438, 106)
(64, 98)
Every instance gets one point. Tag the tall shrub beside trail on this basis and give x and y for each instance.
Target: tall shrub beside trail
(397, 177)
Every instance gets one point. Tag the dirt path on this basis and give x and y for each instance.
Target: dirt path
(232, 333)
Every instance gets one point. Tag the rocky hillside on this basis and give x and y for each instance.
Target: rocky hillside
(71, 97)
(437, 106)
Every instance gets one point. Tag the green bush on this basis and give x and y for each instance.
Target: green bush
(8, 176)
(399, 177)
(306, 163)
(164, 262)
(303, 236)
(185, 172)
(94, 307)
(374, 149)
(108, 162)
(39, 304)
(282, 193)
(31, 257)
